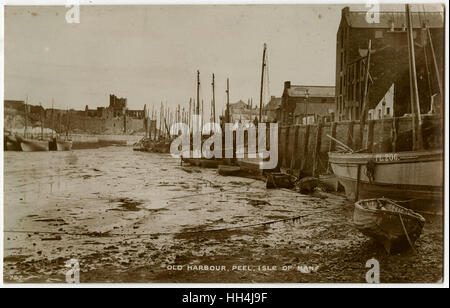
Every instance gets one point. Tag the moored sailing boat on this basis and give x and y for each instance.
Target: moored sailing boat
(66, 144)
(32, 145)
(414, 175)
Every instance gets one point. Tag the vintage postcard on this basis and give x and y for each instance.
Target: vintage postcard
(225, 143)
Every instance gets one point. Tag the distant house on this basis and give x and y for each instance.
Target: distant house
(241, 112)
(385, 108)
(272, 111)
(389, 62)
(307, 104)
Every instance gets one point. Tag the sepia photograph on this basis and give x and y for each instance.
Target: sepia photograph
(243, 143)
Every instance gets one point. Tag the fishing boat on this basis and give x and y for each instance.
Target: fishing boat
(12, 143)
(33, 145)
(400, 176)
(390, 224)
(414, 174)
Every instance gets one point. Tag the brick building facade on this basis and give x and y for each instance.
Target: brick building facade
(315, 103)
(389, 60)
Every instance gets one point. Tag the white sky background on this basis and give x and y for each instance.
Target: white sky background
(150, 54)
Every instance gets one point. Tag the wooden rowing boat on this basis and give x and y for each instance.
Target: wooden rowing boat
(394, 226)
(229, 170)
(280, 180)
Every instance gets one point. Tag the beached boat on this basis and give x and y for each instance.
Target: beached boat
(394, 226)
(400, 176)
(64, 145)
(34, 145)
(229, 170)
(280, 180)
(12, 143)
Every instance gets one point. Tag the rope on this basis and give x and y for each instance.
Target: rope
(406, 233)
(108, 234)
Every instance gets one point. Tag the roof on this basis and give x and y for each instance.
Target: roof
(239, 104)
(431, 19)
(274, 103)
(313, 91)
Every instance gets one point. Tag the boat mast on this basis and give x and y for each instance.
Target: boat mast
(262, 82)
(213, 101)
(364, 98)
(41, 120)
(228, 101)
(198, 93)
(67, 124)
(26, 118)
(436, 69)
(414, 92)
(52, 118)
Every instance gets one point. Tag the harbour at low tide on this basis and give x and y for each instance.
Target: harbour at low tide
(142, 217)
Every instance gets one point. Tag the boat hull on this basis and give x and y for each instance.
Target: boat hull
(394, 229)
(227, 170)
(29, 145)
(400, 176)
(12, 144)
(64, 145)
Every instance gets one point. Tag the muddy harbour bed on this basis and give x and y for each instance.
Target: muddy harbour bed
(129, 216)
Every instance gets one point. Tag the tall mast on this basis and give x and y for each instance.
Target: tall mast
(213, 101)
(198, 93)
(26, 118)
(67, 124)
(436, 69)
(414, 92)
(52, 118)
(228, 101)
(364, 98)
(42, 124)
(262, 82)
(190, 116)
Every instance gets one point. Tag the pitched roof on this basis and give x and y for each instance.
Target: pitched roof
(431, 19)
(313, 91)
(239, 104)
(274, 103)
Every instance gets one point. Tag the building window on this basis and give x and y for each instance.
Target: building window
(388, 111)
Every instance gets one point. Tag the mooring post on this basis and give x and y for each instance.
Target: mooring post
(317, 149)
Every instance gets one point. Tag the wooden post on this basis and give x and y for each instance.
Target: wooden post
(333, 134)
(317, 149)
(331, 144)
(394, 134)
(286, 148)
(350, 134)
(305, 149)
(358, 180)
(294, 150)
(370, 136)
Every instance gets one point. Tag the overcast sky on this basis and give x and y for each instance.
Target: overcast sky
(151, 54)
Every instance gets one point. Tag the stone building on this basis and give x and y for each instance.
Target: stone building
(388, 62)
(307, 104)
(272, 111)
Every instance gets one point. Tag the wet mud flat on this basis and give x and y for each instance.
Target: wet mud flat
(140, 217)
